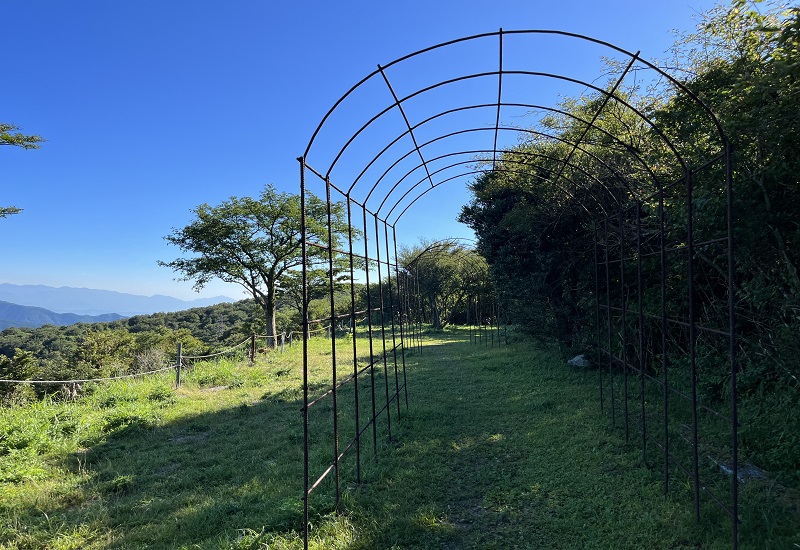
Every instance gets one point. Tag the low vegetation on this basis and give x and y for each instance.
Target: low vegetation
(501, 447)
(539, 236)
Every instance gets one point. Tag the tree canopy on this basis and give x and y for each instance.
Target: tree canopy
(255, 243)
(8, 136)
(448, 275)
(537, 231)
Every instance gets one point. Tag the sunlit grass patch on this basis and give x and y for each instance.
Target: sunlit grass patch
(501, 447)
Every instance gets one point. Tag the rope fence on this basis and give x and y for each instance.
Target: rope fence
(179, 363)
(223, 352)
(85, 380)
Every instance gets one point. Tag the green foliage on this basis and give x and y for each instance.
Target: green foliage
(19, 367)
(254, 243)
(534, 216)
(138, 344)
(450, 278)
(8, 136)
(6, 211)
(523, 461)
(537, 250)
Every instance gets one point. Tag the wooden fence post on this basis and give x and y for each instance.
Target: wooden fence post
(178, 366)
(252, 348)
(283, 339)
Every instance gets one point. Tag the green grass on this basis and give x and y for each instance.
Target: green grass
(501, 447)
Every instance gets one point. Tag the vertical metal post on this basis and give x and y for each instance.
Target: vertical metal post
(597, 315)
(252, 348)
(369, 331)
(419, 310)
(402, 309)
(354, 334)
(405, 315)
(662, 244)
(479, 317)
(391, 314)
(640, 299)
(304, 250)
(692, 339)
(497, 319)
(624, 305)
(334, 392)
(490, 324)
(408, 292)
(383, 327)
(608, 328)
(469, 325)
(732, 349)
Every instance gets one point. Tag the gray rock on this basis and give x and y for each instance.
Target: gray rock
(579, 361)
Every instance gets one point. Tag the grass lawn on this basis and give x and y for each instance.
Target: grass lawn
(501, 447)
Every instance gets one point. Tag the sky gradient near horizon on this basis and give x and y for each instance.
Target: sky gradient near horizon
(152, 108)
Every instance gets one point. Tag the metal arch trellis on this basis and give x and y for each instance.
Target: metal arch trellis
(481, 307)
(663, 343)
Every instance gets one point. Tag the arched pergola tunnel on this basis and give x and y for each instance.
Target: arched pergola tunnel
(415, 130)
(477, 299)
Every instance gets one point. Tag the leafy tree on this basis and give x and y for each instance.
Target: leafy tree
(7, 137)
(448, 274)
(18, 139)
(536, 242)
(290, 289)
(105, 352)
(254, 243)
(6, 211)
(535, 228)
(19, 367)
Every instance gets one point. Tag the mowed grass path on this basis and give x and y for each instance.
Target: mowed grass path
(501, 447)
(505, 447)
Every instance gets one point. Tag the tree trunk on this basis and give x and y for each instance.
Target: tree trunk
(435, 314)
(269, 314)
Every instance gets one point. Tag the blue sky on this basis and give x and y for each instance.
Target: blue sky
(150, 108)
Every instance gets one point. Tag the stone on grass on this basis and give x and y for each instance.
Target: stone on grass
(579, 361)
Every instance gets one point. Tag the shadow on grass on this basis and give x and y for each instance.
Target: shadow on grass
(196, 480)
(504, 448)
(193, 479)
(501, 448)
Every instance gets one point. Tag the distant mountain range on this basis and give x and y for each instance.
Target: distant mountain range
(13, 315)
(87, 301)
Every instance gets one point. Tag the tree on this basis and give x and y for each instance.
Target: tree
(448, 275)
(6, 211)
(19, 140)
(255, 243)
(21, 367)
(743, 64)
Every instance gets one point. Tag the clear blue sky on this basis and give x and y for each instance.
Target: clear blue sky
(150, 108)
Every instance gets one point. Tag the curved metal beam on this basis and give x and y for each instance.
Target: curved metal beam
(627, 147)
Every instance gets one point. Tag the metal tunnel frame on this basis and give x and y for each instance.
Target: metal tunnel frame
(652, 351)
(482, 306)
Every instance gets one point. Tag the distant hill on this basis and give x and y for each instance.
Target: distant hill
(14, 315)
(87, 301)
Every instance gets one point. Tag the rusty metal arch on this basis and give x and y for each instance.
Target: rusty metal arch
(495, 128)
(614, 242)
(475, 304)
